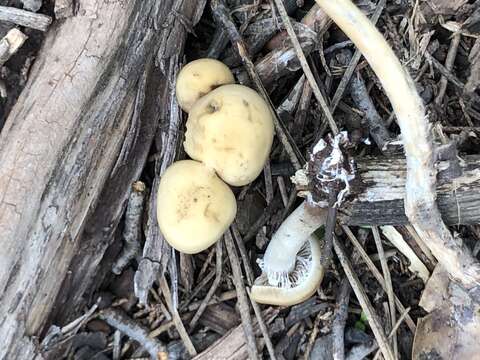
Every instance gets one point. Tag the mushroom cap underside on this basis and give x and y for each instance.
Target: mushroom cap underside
(271, 295)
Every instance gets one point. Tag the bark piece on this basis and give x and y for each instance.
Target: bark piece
(380, 197)
(452, 328)
(233, 345)
(25, 18)
(133, 223)
(80, 123)
(220, 318)
(10, 44)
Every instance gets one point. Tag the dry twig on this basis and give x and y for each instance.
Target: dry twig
(176, 317)
(347, 75)
(120, 321)
(222, 16)
(250, 279)
(305, 67)
(242, 296)
(388, 282)
(364, 301)
(313, 336)
(377, 275)
(133, 226)
(213, 288)
(25, 18)
(451, 55)
(338, 326)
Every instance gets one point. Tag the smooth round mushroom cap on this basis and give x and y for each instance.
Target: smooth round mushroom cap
(266, 294)
(198, 78)
(231, 130)
(194, 207)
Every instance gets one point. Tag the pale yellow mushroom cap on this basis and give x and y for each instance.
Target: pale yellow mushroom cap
(194, 207)
(198, 78)
(231, 130)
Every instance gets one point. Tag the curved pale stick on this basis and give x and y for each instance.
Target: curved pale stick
(420, 199)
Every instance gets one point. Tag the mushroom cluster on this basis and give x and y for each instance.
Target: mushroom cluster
(229, 136)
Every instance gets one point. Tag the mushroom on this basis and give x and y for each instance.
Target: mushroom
(293, 253)
(231, 130)
(198, 78)
(195, 207)
(291, 267)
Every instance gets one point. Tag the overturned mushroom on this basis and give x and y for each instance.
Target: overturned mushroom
(198, 78)
(231, 130)
(195, 207)
(291, 267)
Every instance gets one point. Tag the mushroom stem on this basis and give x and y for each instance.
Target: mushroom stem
(281, 253)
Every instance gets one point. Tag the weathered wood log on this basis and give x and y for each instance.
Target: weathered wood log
(99, 232)
(25, 18)
(84, 123)
(379, 200)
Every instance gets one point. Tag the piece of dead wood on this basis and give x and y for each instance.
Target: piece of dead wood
(282, 61)
(167, 294)
(10, 44)
(361, 98)
(243, 302)
(121, 321)
(474, 77)
(220, 318)
(213, 288)
(305, 67)
(157, 252)
(379, 200)
(315, 19)
(340, 319)
(25, 18)
(133, 224)
(304, 310)
(187, 271)
(452, 328)
(233, 345)
(75, 141)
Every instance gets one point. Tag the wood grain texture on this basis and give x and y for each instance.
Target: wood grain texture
(76, 139)
(380, 199)
(25, 18)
